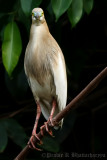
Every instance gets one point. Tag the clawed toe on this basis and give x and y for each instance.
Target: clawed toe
(32, 145)
(37, 137)
(50, 119)
(47, 129)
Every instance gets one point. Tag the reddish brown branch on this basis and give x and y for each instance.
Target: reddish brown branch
(88, 89)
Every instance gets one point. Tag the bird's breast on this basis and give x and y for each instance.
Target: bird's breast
(37, 64)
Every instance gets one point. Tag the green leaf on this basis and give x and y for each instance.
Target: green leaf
(60, 6)
(35, 3)
(75, 11)
(50, 144)
(88, 5)
(3, 138)
(11, 47)
(15, 132)
(68, 125)
(28, 5)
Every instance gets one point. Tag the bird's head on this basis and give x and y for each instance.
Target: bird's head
(38, 16)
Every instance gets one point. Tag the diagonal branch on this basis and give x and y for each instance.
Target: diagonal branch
(88, 89)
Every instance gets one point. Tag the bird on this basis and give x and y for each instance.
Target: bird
(45, 70)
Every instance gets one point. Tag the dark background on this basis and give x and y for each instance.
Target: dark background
(85, 51)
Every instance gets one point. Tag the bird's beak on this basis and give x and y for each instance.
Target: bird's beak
(36, 15)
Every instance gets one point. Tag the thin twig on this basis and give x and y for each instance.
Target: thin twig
(88, 89)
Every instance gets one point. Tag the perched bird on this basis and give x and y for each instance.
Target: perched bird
(45, 70)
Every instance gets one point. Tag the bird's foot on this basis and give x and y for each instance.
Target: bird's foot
(31, 143)
(50, 119)
(49, 131)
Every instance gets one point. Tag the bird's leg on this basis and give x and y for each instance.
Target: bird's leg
(36, 121)
(31, 143)
(52, 111)
(50, 119)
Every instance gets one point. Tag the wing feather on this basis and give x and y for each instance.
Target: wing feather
(60, 81)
